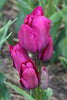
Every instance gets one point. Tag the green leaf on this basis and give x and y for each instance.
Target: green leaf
(22, 92)
(20, 21)
(2, 77)
(47, 93)
(3, 40)
(64, 48)
(2, 3)
(60, 38)
(64, 62)
(54, 30)
(65, 21)
(21, 15)
(0, 15)
(32, 93)
(4, 92)
(59, 15)
(54, 3)
(8, 24)
(28, 3)
(22, 5)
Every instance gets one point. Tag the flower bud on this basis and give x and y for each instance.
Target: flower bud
(29, 75)
(19, 55)
(44, 78)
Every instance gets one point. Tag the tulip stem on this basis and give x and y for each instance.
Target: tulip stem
(35, 94)
(40, 66)
(36, 60)
(41, 95)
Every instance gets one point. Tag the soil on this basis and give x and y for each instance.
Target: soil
(58, 75)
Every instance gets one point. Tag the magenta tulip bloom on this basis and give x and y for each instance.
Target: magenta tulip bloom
(28, 75)
(33, 34)
(47, 52)
(19, 55)
(27, 69)
(44, 79)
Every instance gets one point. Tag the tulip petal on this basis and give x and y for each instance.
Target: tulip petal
(38, 11)
(47, 52)
(27, 38)
(19, 55)
(41, 25)
(29, 79)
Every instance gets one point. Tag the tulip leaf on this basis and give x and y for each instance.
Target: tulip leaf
(59, 15)
(64, 48)
(22, 92)
(24, 10)
(8, 24)
(2, 77)
(4, 91)
(54, 30)
(64, 62)
(2, 3)
(3, 40)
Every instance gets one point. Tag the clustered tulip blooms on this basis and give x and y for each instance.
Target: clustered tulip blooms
(34, 36)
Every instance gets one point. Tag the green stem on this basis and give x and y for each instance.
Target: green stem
(38, 93)
(41, 95)
(36, 60)
(35, 94)
(40, 66)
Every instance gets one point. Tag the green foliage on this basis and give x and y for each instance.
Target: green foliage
(25, 7)
(4, 35)
(2, 3)
(47, 94)
(64, 53)
(58, 37)
(64, 48)
(22, 92)
(4, 91)
(64, 62)
(2, 78)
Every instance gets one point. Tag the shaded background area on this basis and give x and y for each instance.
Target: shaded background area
(57, 73)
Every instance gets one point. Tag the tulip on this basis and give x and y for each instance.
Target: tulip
(26, 67)
(19, 55)
(33, 34)
(44, 78)
(29, 76)
(47, 52)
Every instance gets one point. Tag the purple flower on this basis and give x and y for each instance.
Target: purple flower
(34, 33)
(47, 52)
(26, 67)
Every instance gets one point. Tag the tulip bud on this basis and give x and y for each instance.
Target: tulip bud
(47, 52)
(33, 34)
(29, 75)
(19, 55)
(44, 78)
